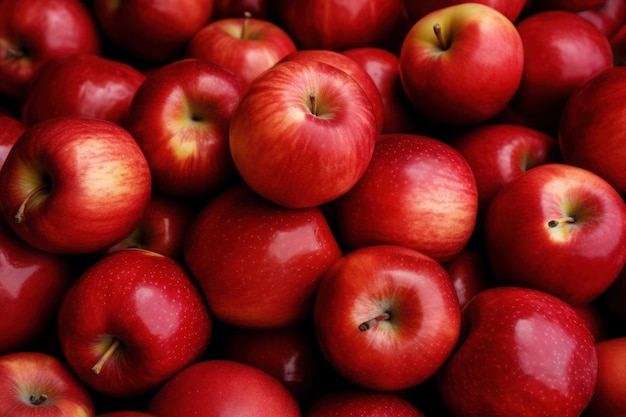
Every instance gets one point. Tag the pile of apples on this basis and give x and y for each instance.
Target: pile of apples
(310, 208)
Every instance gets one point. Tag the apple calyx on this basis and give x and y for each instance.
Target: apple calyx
(37, 399)
(366, 325)
(19, 216)
(244, 26)
(115, 344)
(438, 33)
(565, 220)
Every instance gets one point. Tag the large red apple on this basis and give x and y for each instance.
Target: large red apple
(417, 192)
(592, 127)
(303, 133)
(416, 9)
(462, 64)
(265, 261)
(218, 388)
(361, 403)
(131, 321)
(609, 398)
(523, 353)
(559, 229)
(74, 184)
(34, 384)
(34, 31)
(180, 118)
(387, 317)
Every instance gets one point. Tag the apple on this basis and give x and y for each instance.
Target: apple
(361, 403)
(12, 128)
(559, 229)
(523, 353)
(416, 9)
(245, 45)
(296, 118)
(462, 64)
(337, 25)
(180, 118)
(609, 398)
(269, 280)
(593, 139)
(34, 31)
(470, 273)
(32, 285)
(608, 17)
(386, 317)
(417, 192)
(82, 85)
(131, 321)
(74, 185)
(37, 384)
(354, 69)
(152, 31)
(216, 388)
(553, 41)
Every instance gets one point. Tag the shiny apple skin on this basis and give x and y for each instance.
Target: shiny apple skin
(524, 353)
(361, 403)
(609, 399)
(470, 273)
(416, 9)
(608, 17)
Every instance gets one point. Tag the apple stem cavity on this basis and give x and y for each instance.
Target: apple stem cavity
(19, 216)
(438, 33)
(115, 344)
(14, 54)
(38, 399)
(313, 101)
(366, 325)
(244, 26)
(565, 220)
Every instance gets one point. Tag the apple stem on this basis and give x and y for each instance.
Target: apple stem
(115, 344)
(556, 222)
(244, 26)
(366, 325)
(38, 399)
(442, 41)
(14, 53)
(19, 216)
(313, 100)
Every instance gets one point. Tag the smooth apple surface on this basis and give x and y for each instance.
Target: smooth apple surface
(416, 9)
(303, 133)
(74, 184)
(609, 398)
(386, 317)
(559, 229)
(361, 403)
(523, 353)
(470, 273)
(417, 192)
(608, 17)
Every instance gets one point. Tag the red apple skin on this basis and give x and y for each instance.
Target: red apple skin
(470, 273)
(149, 303)
(354, 69)
(552, 41)
(218, 388)
(360, 403)
(180, 118)
(395, 352)
(126, 414)
(259, 9)
(25, 376)
(247, 52)
(271, 281)
(609, 399)
(337, 25)
(12, 128)
(82, 85)
(559, 229)
(524, 353)
(416, 9)
(152, 31)
(62, 162)
(608, 17)
(417, 192)
(32, 285)
(483, 56)
(34, 31)
(275, 133)
(593, 139)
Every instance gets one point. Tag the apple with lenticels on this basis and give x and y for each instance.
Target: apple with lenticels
(362, 403)
(74, 185)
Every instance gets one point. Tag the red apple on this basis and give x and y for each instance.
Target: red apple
(152, 31)
(337, 24)
(74, 185)
(271, 280)
(32, 285)
(245, 45)
(357, 403)
(559, 229)
(524, 353)
(553, 41)
(416, 9)
(37, 384)
(591, 128)
(470, 273)
(609, 398)
(608, 17)
(217, 388)
(131, 321)
(12, 128)
(180, 118)
(417, 192)
(462, 64)
(303, 133)
(386, 317)
(82, 85)
(34, 31)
